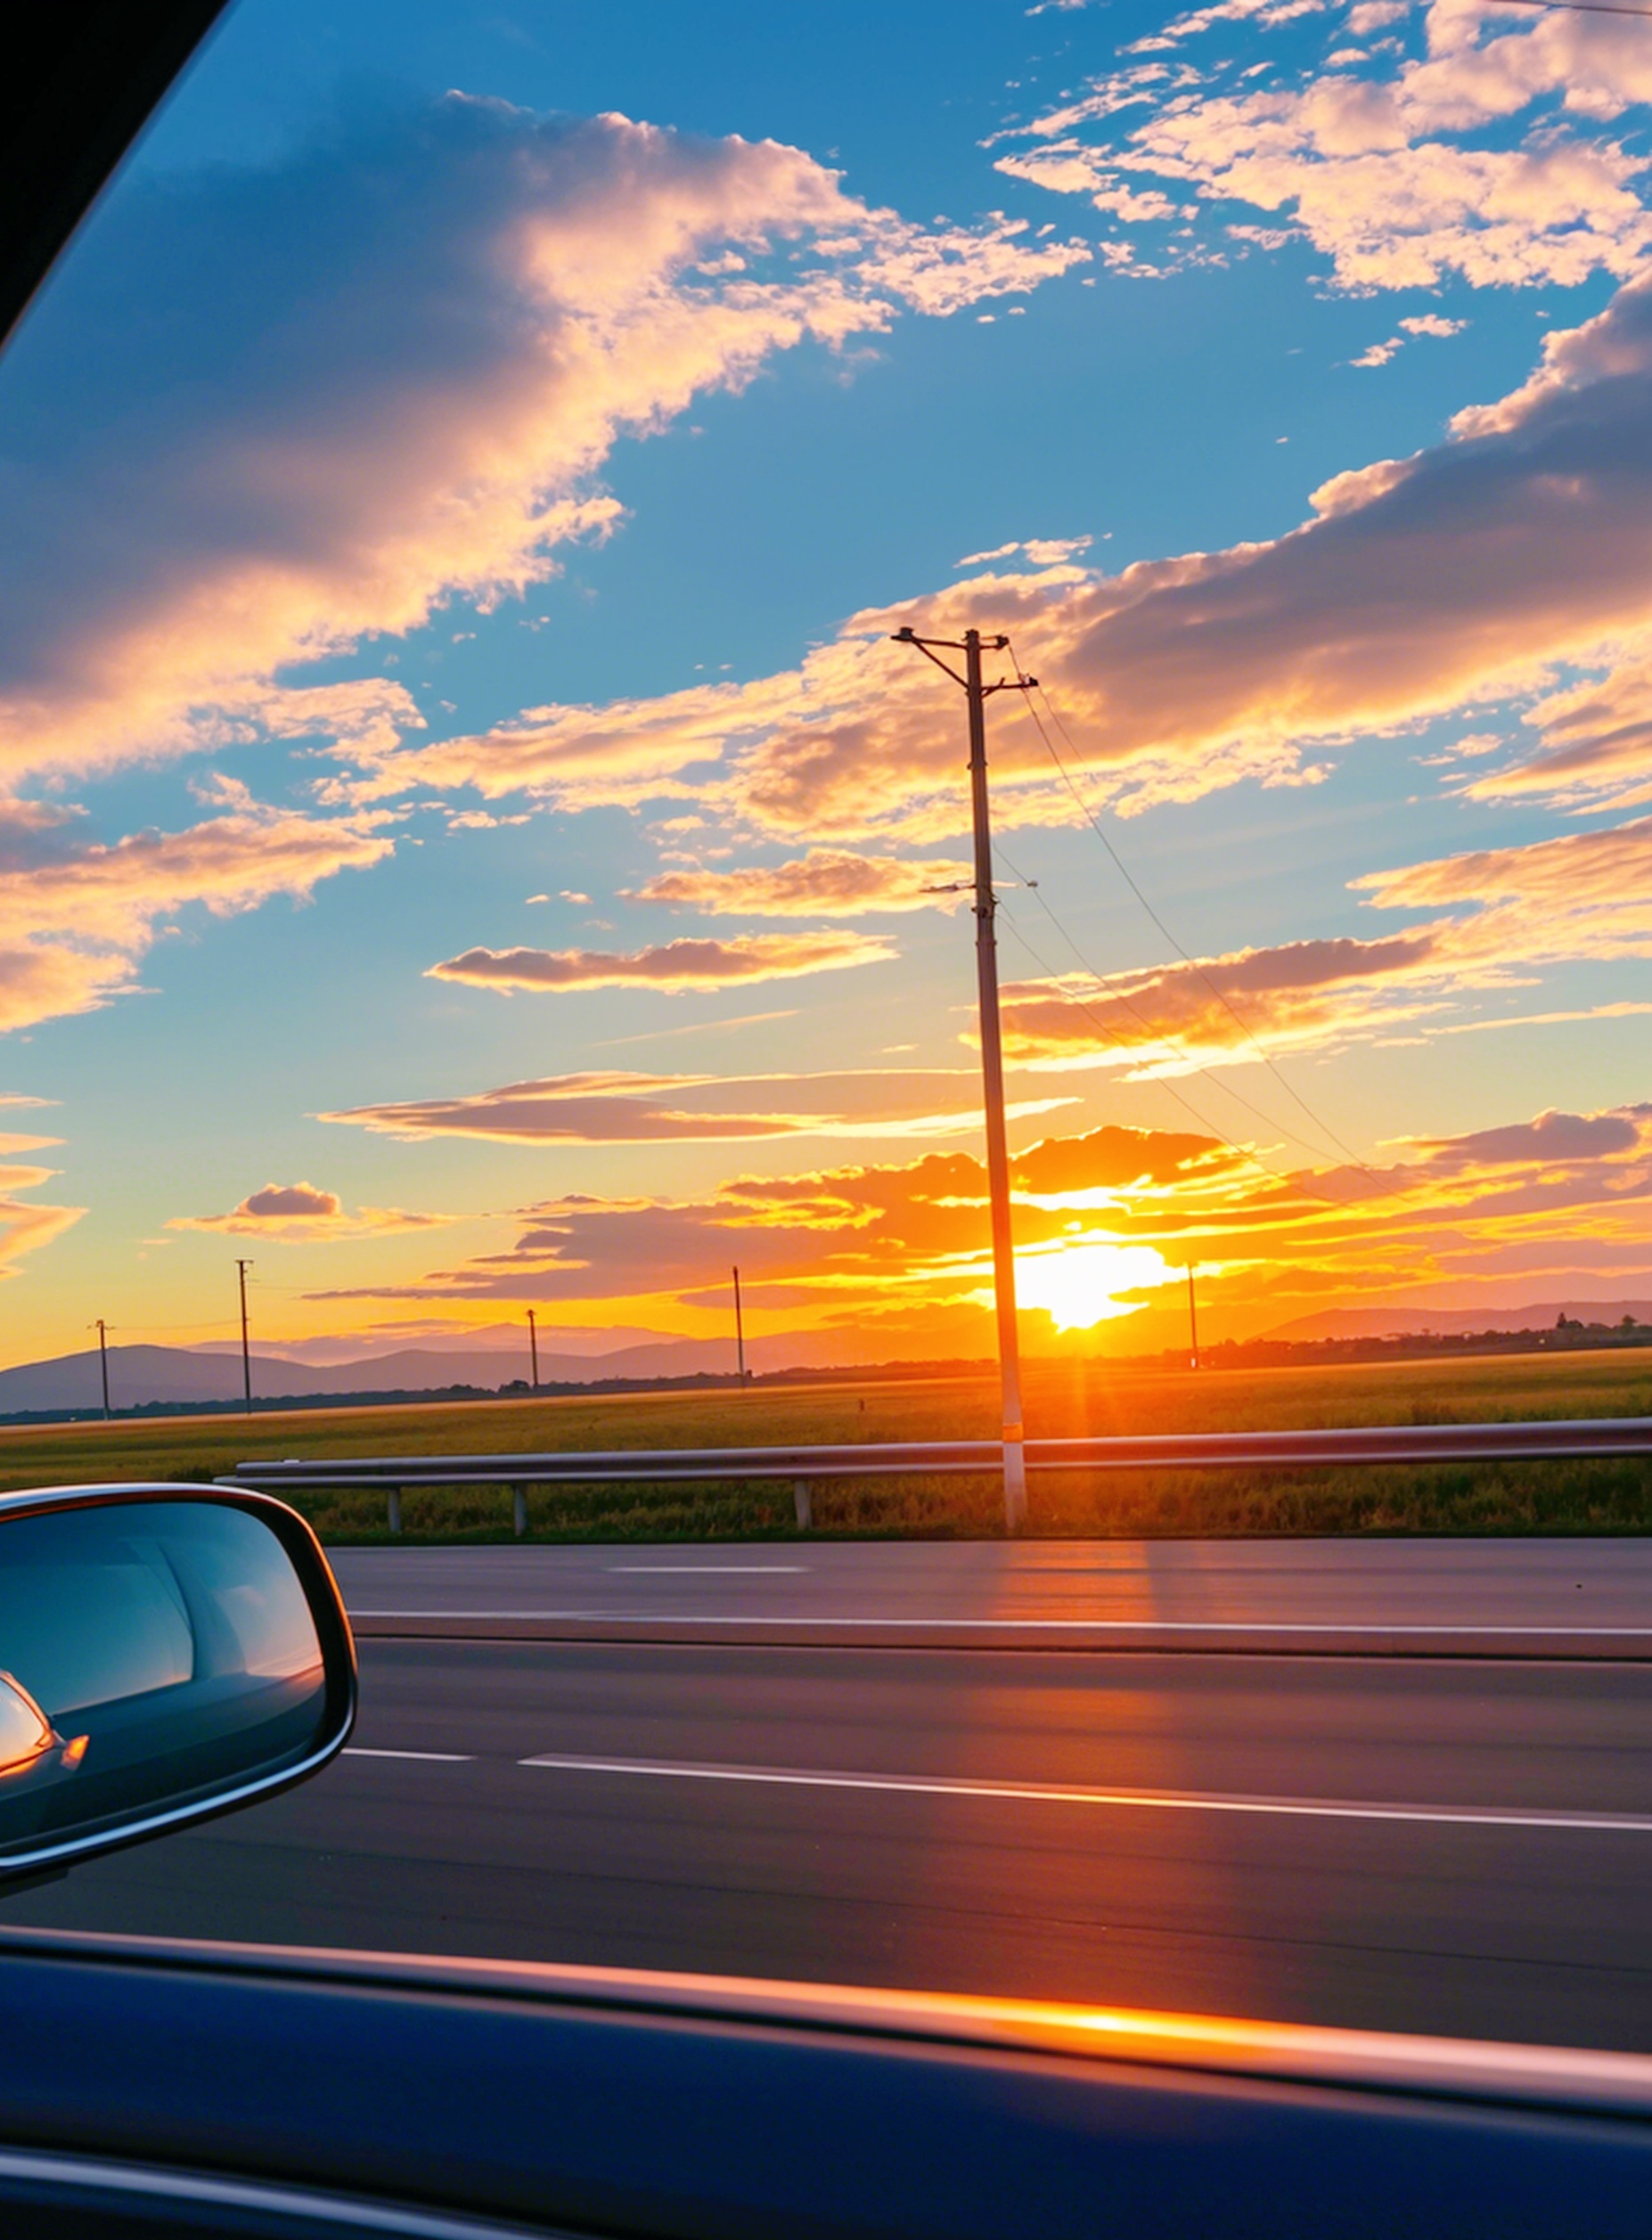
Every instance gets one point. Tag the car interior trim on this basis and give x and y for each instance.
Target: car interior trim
(1495, 2072)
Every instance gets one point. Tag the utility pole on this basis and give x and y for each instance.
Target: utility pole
(533, 1346)
(740, 1331)
(975, 694)
(102, 1356)
(242, 1267)
(1192, 1319)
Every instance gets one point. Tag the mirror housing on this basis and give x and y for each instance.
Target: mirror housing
(167, 1653)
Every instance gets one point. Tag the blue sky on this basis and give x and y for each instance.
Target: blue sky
(446, 472)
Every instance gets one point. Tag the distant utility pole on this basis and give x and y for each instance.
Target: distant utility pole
(102, 1356)
(1192, 1319)
(992, 1045)
(533, 1346)
(740, 1331)
(242, 1267)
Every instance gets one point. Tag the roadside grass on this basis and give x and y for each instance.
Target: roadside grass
(1064, 1399)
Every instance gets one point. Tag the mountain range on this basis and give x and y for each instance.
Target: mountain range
(171, 1375)
(176, 1375)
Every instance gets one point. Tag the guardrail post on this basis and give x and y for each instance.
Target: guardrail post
(518, 1511)
(396, 1511)
(803, 1501)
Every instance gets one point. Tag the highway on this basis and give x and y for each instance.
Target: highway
(1448, 1842)
(1589, 1597)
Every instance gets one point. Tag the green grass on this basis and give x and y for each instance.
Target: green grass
(1063, 1399)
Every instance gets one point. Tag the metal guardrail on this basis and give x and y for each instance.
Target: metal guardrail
(803, 1466)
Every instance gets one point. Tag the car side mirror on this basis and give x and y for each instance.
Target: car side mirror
(167, 1653)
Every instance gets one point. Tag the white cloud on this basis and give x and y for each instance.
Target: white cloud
(1398, 169)
(1429, 323)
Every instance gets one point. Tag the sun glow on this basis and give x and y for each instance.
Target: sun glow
(1077, 1285)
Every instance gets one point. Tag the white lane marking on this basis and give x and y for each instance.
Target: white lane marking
(431, 1757)
(1148, 1800)
(705, 1571)
(1047, 1625)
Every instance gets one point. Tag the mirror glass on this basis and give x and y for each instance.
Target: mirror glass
(154, 1655)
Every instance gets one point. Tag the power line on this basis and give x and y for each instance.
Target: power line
(1103, 836)
(1155, 1034)
(1240, 1150)
(1095, 821)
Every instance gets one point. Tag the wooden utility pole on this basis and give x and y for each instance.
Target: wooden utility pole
(975, 693)
(740, 1332)
(103, 1357)
(242, 1267)
(1192, 1319)
(533, 1346)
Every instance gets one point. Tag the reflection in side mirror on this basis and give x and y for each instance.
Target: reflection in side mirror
(165, 1654)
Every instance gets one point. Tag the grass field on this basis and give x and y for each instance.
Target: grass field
(1063, 1399)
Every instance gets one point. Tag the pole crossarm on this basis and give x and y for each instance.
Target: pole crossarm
(909, 637)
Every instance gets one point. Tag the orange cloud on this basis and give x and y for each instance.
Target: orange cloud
(1170, 1018)
(25, 1228)
(1562, 1198)
(297, 1213)
(76, 917)
(1582, 896)
(674, 966)
(50, 981)
(618, 1107)
(826, 882)
(1596, 748)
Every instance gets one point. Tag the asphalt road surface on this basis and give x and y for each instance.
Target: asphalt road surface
(1448, 1843)
(1584, 1596)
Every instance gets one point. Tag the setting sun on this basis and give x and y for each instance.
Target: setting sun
(1078, 1285)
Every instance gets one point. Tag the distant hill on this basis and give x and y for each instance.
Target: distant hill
(141, 1375)
(1411, 1322)
(174, 1375)
(571, 1339)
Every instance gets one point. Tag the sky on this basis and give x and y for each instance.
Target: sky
(472, 844)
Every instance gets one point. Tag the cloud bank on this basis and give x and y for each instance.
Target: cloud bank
(905, 1247)
(400, 357)
(1483, 568)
